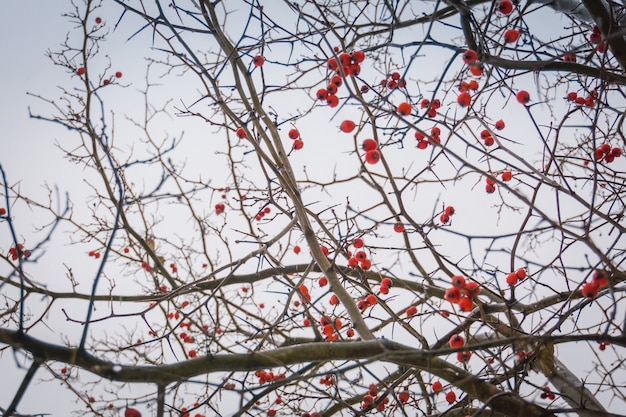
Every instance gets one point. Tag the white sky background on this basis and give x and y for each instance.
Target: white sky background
(28, 153)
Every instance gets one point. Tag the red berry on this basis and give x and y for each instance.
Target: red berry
(437, 387)
(372, 156)
(521, 273)
(464, 99)
(490, 188)
(321, 94)
(347, 126)
(457, 341)
(80, 70)
(505, 7)
(476, 70)
(511, 35)
(357, 243)
(470, 56)
(118, 74)
(507, 176)
(404, 109)
(241, 133)
(523, 97)
(590, 290)
(358, 56)
(386, 282)
(511, 279)
(294, 134)
(463, 357)
(296, 249)
(323, 281)
(453, 295)
(350, 332)
(569, 58)
(398, 227)
(499, 124)
(371, 299)
(298, 144)
(369, 145)
(98, 20)
(404, 396)
(450, 397)
(3, 211)
(131, 412)
(458, 281)
(489, 141)
(258, 61)
(411, 311)
(466, 304)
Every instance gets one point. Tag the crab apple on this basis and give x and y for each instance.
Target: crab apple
(600, 278)
(398, 227)
(347, 126)
(511, 35)
(616, 152)
(453, 295)
(258, 61)
(590, 290)
(332, 64)
(298, 144)
(437, 386)
(411, 311)
(404, 396)
(404, 109)
(332, 100)
(294, 134)
(386, 282)
(372, 156)
(466, 304)
(523, 97)
(450, 397)
(131, 412)
(473, 85)
(357, 243)
(511, 279)
(507, 176)
(371, 299)
(450, 210)
(499, 124)
(369, 145)
(331, 89)
(422, 144)
(464, 99)
(489, 141)
(321, 94)
(470, 56)
(337, 81)
(358, 56)
(505, 7)
(476, 70)
(457, 341)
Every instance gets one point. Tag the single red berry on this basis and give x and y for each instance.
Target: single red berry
(372, 156)
(258, 61)
(321, 94)
(81, 70)
(296, 249)
(350, 332)
(371, 299)
(463, 357)
(507, 176)
(457, 341)
(476, 70)
(294, 134)
(3, 211)
(450, 211)
(523, 97)
(466, 304)
(323, 281)
(411, 311)
(404, 109)
(521, 273)
(473, 85)
(369, 145)
(511, 279)
(452, 295)
(499, 124)
(398, 227)
(464, 99)
(332, 100)
(366, 264)
(404, 396)
(332, 64)
(298, 144)
(470, 56)
(450, 397)
(358, 243)
(590, 290)
(347, 126)
(98, 20)
(386, 282)
(358, 56)
(511, 35)
(241, 133)
(505, 7)
(131, 412)
(437, 386)
(118, 74)
(458, 281)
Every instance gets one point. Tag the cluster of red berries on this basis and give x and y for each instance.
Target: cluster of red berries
(263, 213)
(599, 280)
(330, 328)
(395, 81)
(146, 266)
(186, 338)
(462, 293)
(294, 134)
(17, 251)
(513, 278)
(265, 377)
(360, 260)
(431, 107)
(423, 142)
(447, 214)
(385, 284)
(94, 254)
(219, 208)
(372, 154)
(487, 138)
(607, 154)
(174, 269)
(589, 100)
(546, 393)
(350, 65)
(373, 399)
(490, 186)
(367, 302)
(457, 341)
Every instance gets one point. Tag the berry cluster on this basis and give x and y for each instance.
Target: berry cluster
(516, 276)
(447, 214)
(599, 280)
(462, 293)
(607, 154)
(348, 64)
(16, 251)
